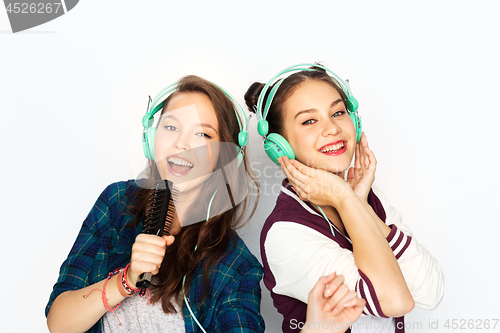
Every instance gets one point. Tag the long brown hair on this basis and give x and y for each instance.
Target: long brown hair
(276, 115)
(213, 237)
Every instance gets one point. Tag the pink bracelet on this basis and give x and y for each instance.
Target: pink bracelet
(104, 299)
(121, 288)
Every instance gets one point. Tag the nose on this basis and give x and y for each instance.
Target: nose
(182, 142)
(331, 128)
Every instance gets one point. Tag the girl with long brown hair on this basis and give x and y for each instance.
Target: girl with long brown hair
(204, 276)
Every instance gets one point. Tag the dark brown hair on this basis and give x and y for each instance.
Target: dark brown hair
(213, 237)
(275, 116)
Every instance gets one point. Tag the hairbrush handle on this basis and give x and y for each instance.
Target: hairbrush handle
(144, 280)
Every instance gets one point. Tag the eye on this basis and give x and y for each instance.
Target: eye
(204, 135)
(338, 114)
(309, 122)
(170, 128)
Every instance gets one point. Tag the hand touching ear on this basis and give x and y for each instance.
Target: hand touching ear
(362, 175)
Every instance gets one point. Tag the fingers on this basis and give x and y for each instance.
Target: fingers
(169, 239)
(371, 157)
(301, 193)
(304, 169)
(302, 172)
(370, 160)
(332, 304)
(344, 298)
(320, 287)
(151, 239)
(350, 175)
(332, 287)
(362, 143)
(146, 257)
(355, 302)
(291, 172)
(353, 308)
(357, 157)
(147, 254)
(332, 293)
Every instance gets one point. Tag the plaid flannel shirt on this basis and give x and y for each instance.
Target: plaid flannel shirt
(105, 243)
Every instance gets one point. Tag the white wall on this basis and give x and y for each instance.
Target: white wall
(73, 91)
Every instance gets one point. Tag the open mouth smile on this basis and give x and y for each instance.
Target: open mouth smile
(178, 166)
(334, 148)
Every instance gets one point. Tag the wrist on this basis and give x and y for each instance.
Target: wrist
(128, 283)
(367, 206)
(121, 283)
(131, 281)
(342, 197)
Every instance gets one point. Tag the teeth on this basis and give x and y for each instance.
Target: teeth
(180, 161)
(333, 147)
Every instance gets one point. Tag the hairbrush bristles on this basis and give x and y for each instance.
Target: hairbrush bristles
(169, 220)
(159, 217)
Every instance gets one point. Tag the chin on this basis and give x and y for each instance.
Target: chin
(337, 169)
(329, 165)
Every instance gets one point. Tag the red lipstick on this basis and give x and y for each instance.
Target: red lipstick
(334, 152)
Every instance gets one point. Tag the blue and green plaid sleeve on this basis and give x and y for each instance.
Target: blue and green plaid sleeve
(239, 310)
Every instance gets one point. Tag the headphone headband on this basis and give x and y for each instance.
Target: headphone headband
(159, 100)
(262, 112)
(274, 144)
(158, 103)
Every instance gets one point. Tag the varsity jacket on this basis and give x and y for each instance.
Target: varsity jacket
(298, 247)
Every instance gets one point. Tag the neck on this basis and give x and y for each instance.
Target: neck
(183, 202)
(334, 217)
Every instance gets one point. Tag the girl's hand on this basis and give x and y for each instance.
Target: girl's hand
(361, 177)
(331, 307)
(147, 255)
(317, 186)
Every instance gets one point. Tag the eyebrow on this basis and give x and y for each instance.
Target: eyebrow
(316, 110)
(209, 126)
(202, 124)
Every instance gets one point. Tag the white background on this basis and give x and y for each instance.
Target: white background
(426, 74)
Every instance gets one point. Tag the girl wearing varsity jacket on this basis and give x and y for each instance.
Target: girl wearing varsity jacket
(322, 223)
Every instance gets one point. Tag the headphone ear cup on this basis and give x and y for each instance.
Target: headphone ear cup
(357, 125)
(149, 142)
(352, 103)
(276, 146)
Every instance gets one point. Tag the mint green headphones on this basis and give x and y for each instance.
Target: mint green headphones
(148, 134)
(274, 144)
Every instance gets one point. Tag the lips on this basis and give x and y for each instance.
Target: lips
(178, 165)
(334, 148)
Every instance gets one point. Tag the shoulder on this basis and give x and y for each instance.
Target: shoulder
(120, 192)
(380, 204)
(237, 266)
(110, 211)
(289, 207)
(380, 196)
(239, 256)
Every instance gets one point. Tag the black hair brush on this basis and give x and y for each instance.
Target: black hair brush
(159, 217)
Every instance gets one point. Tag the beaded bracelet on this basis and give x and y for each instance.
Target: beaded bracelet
(128, 288)
(121, 287)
